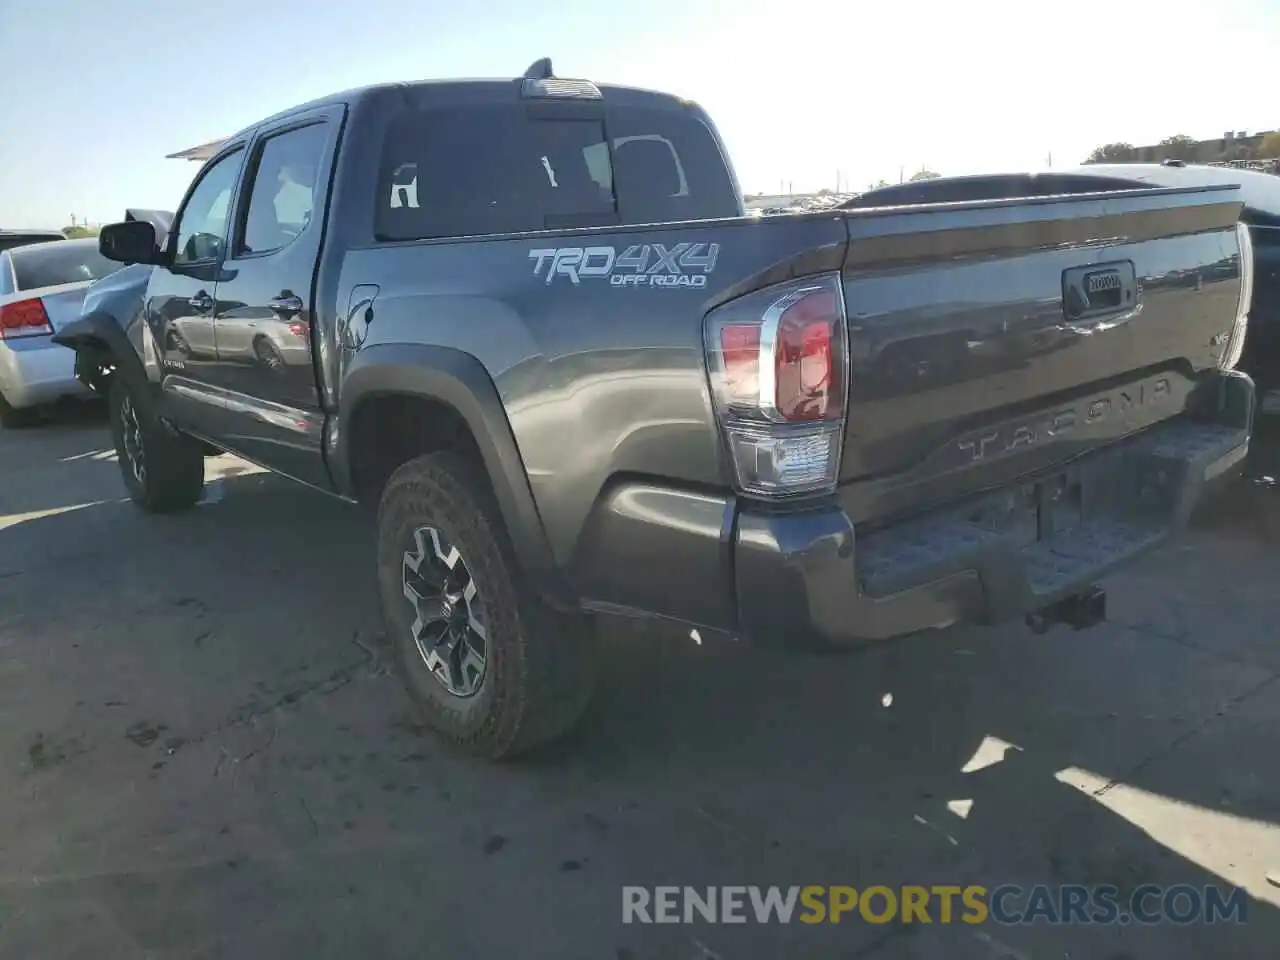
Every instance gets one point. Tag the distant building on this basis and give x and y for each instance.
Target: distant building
(1230, 146)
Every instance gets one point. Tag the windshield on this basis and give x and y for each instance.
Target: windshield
(50, 264)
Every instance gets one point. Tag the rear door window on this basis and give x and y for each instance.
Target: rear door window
(501, 169)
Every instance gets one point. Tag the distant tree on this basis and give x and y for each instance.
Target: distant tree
(1178, 147)
(825, 192)
(1269, 149)
(76, 233)
(880, 185)
(1238, 152)
(1112, 153)
(923, 174)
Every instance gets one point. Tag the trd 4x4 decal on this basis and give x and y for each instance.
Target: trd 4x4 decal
(640, 265)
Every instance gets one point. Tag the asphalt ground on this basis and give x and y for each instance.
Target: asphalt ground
(204, 754)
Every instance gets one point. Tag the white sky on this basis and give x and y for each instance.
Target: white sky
(799, 89)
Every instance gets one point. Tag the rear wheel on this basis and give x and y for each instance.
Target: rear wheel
(162, 470)
(491, 667)
(267, 354)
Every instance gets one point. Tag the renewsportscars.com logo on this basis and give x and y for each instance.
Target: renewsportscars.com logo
(640, 265)
(1104, 904)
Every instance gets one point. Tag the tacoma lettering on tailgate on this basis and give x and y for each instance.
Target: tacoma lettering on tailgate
(1022, 434)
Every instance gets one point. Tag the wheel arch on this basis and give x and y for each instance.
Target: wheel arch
(102, 349)
(467, 411)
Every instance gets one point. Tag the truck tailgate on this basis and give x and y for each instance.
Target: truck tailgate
(989, 341)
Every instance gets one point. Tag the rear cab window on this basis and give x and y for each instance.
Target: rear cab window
(510, 168)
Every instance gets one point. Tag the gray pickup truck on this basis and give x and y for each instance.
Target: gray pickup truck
(528, 320)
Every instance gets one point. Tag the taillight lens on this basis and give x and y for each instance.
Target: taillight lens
(25, 318)
(1235, 346)
(777, 364)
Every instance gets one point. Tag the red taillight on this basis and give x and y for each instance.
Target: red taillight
(298, 328)
(740, 348)
(805, 371)
(777, 362)
(25, 318)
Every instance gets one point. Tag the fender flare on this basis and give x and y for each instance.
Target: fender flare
(101, 332)
(460, 381)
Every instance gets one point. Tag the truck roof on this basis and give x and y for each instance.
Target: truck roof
(494, 90)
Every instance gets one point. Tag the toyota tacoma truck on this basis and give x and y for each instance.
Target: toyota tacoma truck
(528, 321)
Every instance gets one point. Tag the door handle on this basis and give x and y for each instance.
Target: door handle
(286, 304)
(201, 302)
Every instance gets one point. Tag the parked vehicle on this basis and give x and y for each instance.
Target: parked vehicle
(21, 238)
(1259, 193)
(574, 378)
(41, 288)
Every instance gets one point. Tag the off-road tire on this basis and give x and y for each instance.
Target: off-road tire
(540, 663)
(173, 478)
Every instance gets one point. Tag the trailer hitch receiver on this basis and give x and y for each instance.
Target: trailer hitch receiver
(1079, 611)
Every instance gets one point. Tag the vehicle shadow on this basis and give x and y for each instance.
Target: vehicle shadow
(1113, 756)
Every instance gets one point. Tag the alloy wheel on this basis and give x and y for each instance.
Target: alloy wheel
(449, 626)
(132, 435)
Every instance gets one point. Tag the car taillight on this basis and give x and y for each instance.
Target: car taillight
(1235, 345)
(298, 328)
(777, 365)
(25, 318)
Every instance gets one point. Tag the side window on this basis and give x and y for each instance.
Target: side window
(6, 276)
(285, 186)
(202, 226)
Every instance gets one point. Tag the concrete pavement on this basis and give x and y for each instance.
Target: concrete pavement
(204, 755)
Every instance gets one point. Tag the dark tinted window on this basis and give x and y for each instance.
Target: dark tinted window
(498, 169)
(52, 263)
(284, 189)
(11, 240)
(668, 166)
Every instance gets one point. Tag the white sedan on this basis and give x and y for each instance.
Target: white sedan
(41, 288)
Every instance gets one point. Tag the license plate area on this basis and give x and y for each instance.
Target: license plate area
(1033, 511)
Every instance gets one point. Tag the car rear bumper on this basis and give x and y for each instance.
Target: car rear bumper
(36, 370)
(781, 576)
(1009, 554)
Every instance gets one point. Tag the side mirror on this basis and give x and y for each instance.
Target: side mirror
(133, 241)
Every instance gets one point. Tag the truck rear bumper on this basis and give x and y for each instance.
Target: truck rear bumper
(1005, 555)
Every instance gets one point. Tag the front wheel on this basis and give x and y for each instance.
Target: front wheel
(491, 667)
(162, 470)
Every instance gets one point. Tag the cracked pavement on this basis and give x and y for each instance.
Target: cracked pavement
(204, 756)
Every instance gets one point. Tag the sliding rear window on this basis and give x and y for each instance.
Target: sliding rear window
(504, 169)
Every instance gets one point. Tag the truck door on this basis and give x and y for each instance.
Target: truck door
(265, 314)
(181, 296)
